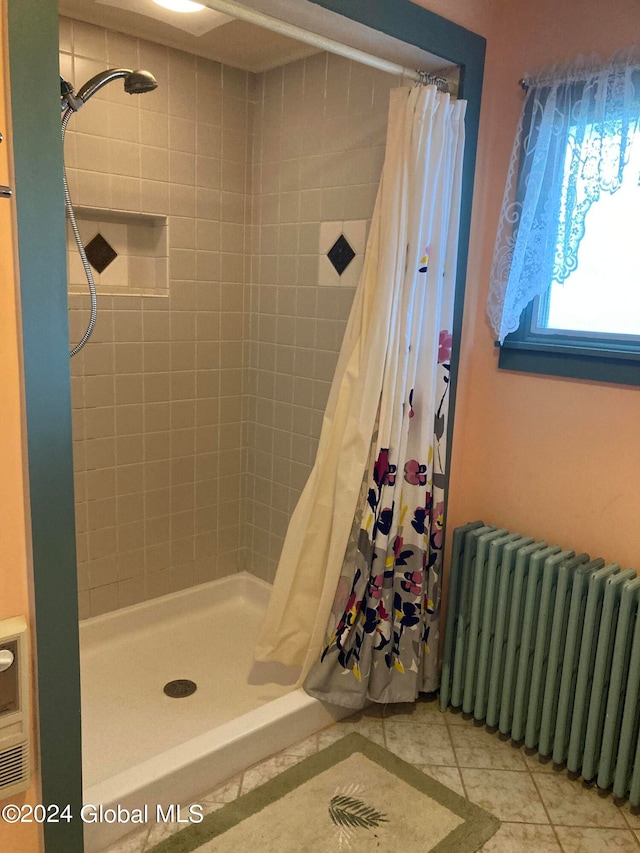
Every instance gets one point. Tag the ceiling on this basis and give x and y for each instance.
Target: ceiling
(244, 45)
(234, 43)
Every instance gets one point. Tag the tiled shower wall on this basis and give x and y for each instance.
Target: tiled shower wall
(157, 392)
(318, 148)
(197, 415)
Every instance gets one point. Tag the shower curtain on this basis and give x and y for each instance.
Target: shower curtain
(356, 597)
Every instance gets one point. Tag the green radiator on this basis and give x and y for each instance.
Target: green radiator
(544, 644)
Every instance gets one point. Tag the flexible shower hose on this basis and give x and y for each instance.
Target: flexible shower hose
(83, 255)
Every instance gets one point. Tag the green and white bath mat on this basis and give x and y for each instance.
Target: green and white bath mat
(353, 796)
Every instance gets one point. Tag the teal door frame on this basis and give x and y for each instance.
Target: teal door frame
(37, 147)
(33, 57)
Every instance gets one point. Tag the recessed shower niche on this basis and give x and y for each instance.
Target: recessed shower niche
(127, 252)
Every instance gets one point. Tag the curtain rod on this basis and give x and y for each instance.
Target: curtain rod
(237, 10)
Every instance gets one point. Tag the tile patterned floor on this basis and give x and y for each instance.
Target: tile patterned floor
(541, 809)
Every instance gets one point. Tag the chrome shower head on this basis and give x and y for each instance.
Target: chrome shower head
(135, 82)
(138, 82)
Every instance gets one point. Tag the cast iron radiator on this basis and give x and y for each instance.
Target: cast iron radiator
(545, 645)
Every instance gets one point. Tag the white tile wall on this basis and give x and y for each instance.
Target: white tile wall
(196, 417)
(157, 393)
(318, 146)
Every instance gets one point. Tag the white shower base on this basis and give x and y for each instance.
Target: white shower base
(141, 747)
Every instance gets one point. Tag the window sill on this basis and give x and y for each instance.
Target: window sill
(620, 366)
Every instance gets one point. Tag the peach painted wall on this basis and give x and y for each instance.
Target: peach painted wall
(474, 15)
(14, 566)
(555, 458)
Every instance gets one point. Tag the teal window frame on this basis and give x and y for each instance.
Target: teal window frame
(577, 356)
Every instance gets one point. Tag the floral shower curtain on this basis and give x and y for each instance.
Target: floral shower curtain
(356, 598)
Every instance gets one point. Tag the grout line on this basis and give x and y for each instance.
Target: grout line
(576, 781)
(626, 814)
(455, 755)
(240, 784)
(453, 747)
(145, 847)
(544, 806)
(635, 837)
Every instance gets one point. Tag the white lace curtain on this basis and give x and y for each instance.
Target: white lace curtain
(572, 144)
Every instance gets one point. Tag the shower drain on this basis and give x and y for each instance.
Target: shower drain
(180, 687)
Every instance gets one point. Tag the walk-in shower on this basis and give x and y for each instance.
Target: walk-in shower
(198, 406)
(197, 412)
(135, 83)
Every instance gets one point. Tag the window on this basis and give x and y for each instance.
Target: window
(566, 275)
(608, 253)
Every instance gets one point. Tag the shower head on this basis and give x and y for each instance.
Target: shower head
(138, 82)
(135, 82)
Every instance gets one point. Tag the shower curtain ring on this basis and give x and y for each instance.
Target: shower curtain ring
(426, 78)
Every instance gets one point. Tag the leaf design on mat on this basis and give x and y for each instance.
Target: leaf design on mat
(349, 811)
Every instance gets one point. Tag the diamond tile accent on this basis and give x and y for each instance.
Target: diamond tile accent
(341, 254)
(100, 253)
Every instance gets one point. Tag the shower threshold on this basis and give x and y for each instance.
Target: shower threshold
(142, 747)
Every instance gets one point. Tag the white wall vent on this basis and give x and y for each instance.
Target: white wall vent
(15, 764)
